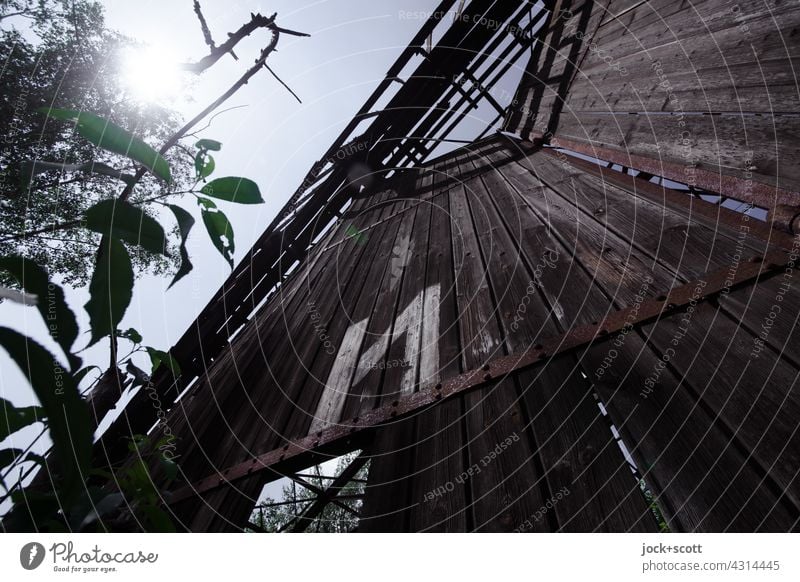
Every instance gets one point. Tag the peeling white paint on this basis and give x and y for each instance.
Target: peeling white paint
(419, 322)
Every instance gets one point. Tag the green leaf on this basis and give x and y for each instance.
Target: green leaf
(9, 456)
(239, 190)
(209, 144)
(111, 288)
(130, 334)
(185, 224)
(109, 136)
(170, 468)
(199, 162)
(67, 414)
(157, 357)
(58, 317)
(13, 419)
(158, 519)
(204, 164)
(137, 442)
(128, 223)
(219, 229)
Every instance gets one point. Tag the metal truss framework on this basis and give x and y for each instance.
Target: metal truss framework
(453, 78)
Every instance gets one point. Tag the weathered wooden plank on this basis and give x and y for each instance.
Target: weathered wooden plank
(577, 447)
(332, 373)
(261, 405)
(493, 415)
(566, 49)
(670, 82)
(710, 344)
(393, 352)
(717, 144)
(264, 348)
(770, 309)
(670, 237)
(439, 444)
(710, 26)
(701, 247)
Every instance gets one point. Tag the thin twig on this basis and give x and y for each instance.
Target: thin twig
(266, 66)
(210, 119)
(51, 228)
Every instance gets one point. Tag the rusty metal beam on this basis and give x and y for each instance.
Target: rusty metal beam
(756, 193)
(349, 432)
(684, 203)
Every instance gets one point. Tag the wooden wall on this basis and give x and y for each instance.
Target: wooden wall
(700, 85)
(482, 257)
(698, 435)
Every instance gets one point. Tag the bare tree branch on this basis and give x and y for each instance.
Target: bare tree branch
(24, 13)
(243, 80)
(204, 25)
(256, 21)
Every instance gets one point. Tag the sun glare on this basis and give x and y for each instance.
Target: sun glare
(151, 73)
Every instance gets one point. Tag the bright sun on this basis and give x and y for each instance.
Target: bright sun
(151, 73)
